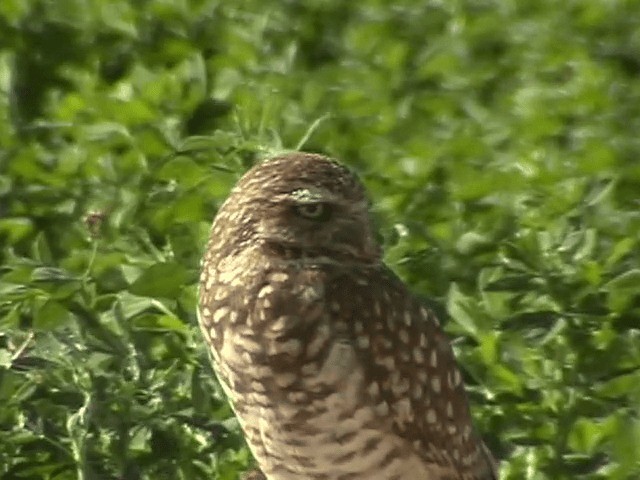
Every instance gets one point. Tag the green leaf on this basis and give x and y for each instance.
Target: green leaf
(161, 280)
(160, 323)
(15, 229)
(462, 309)
(626, 280)
(586, 435)
(622, 290)
(51, 316)
(620, 250)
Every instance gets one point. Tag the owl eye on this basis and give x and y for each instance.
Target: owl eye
(314, 211)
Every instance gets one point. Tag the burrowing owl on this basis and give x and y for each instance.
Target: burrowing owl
(334, 369)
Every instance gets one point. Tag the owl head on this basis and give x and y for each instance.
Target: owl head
(300, 204)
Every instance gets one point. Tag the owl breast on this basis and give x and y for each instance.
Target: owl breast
(290, 367)
(314, 421)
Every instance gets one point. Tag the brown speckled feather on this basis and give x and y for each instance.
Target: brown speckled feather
(334, 369)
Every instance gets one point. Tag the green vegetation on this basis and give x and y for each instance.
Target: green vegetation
(500, 143)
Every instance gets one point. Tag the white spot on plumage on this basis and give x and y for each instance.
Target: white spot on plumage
(399, 385)
(403, 411)
(279, 277)
(418, 356)
(377, 309)
(373, 389)
(404, 336)
(264, 291)
(388, 361)
(431, 416)
(219, 314)
(435, 384)
(319, 340)
(220, 294)
(449, 409)
(311, 293)
(416, 392)
(284, 380)
(257, 386)
(457, 379)
(293, 347)
(363, 341)
(382, 409)
(358, 327)
(433, 360)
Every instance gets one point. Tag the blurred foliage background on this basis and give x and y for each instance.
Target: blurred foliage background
(500, 143)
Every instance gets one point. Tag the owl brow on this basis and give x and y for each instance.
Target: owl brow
(304, 195)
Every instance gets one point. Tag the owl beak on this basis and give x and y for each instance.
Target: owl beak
(359, 242)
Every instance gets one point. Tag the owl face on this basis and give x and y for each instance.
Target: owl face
(303, 203)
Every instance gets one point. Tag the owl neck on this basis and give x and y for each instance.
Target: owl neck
(289, 252)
